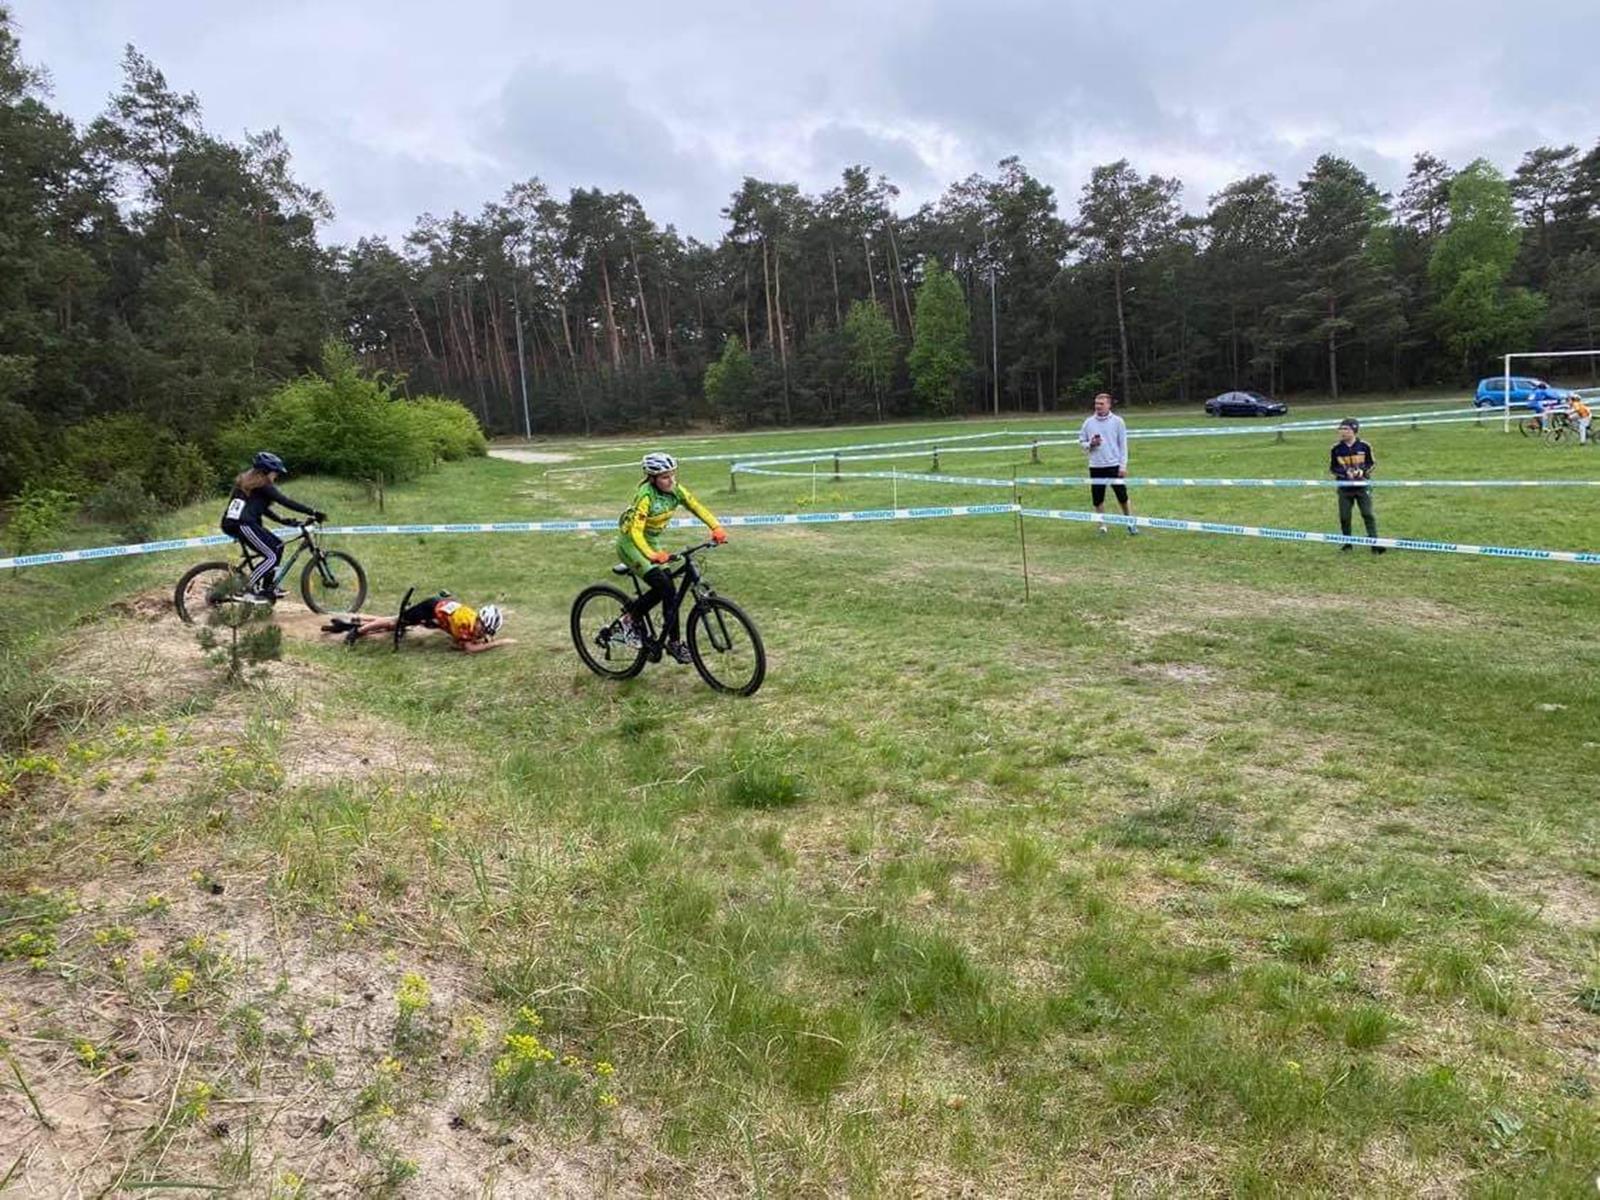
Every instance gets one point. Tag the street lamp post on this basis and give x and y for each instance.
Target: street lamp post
(522, 366)
(994, 324)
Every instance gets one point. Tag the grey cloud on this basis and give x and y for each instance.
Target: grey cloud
(836, 145)
(581, 128)
(398, 108)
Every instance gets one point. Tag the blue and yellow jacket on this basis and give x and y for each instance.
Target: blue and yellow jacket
(1357, 456)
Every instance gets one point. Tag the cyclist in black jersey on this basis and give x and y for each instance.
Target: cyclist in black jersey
(254, 493)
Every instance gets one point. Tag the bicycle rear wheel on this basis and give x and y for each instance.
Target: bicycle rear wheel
(727, 647)
(202, 587)
(596, 633)
(337, 584)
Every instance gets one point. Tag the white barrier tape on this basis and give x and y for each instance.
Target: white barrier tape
(859, 515)
(949, 440)
(1305, 535)
(1069, 437)
(1166, 481)
(762, 455)
(59, 556)
(596, 525)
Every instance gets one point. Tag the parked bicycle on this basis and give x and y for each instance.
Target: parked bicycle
(723, 642)
(330, 581)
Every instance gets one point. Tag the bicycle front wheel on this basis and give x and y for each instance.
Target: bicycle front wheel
(203, 587)
(727, 647)
(335, 584)
(597, 633)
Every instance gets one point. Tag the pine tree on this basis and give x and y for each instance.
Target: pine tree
(940, 359)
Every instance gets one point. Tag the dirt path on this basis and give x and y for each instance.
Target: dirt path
(528, 456)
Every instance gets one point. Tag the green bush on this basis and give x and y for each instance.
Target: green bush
(170, 471)
(39, 518)
(341, 422)
(22, 449)
(179, 474)
(451, 429)
(123, 503)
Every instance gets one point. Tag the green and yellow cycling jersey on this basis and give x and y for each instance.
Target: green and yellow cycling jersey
(642, 523)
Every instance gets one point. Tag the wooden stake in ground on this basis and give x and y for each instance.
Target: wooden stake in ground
(1022, 534)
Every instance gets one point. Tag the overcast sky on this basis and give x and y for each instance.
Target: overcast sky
(410, 106)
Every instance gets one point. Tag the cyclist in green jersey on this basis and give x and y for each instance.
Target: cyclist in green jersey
(639, 532)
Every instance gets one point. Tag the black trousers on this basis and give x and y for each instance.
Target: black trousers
(1357, 498)
(659, 590)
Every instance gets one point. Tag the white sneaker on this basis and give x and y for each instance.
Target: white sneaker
(1133, 531)
(1103, 529)
(630, 632)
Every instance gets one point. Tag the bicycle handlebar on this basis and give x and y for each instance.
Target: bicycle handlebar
(688, 550)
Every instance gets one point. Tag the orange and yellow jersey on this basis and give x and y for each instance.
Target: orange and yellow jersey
(456, 619)
(648, 516)
(1579, 408)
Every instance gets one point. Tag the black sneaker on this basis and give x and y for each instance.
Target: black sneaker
(1380, 549)
(678, 652)
(1346, 548)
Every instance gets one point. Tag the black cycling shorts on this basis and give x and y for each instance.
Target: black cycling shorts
(420, 613)
(1097, 491)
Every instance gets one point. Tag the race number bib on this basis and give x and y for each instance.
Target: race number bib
(235, 509)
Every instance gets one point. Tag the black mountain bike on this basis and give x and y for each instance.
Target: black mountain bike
(723, 641)
(331, 579)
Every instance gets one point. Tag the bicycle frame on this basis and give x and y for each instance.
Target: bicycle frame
(688, 576)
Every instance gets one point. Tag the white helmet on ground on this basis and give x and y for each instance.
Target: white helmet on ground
(491, 619)
(659, 462)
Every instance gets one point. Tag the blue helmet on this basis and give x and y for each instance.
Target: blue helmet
(266, 460)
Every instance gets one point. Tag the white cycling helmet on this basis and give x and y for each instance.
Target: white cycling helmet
(659, 462)
(491, 619)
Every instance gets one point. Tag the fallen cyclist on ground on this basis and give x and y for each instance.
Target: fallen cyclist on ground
(470, 630)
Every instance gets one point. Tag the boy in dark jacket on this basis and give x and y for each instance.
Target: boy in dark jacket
(1352, 463)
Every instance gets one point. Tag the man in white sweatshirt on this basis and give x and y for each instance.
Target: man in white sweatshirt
(1104, 439)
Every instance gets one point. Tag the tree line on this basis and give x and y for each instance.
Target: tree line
(159, 273)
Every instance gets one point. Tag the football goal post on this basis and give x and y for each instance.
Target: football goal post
(1505, 396)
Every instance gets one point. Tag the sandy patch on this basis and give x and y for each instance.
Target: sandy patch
(529, 456)
(283, 1099)
(284, 1015)
(146, 663)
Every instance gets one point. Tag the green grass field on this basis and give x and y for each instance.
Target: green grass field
(1215, 866)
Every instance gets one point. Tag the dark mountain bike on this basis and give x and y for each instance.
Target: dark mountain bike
(723, 641)
(1560, 428)
(330, 581)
